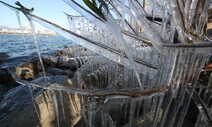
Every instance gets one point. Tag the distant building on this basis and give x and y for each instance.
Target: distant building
(25, 30)
(46, 32)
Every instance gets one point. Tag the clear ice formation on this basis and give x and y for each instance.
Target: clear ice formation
(38, 48)
(20, 24)
(150, 63)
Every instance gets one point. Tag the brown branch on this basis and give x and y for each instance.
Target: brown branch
(181, 8)
(208, 67)
(132, 94)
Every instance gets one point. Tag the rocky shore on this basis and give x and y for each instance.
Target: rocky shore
(15, 100)
(19, 108)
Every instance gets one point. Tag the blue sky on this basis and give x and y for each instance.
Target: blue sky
(51, 10)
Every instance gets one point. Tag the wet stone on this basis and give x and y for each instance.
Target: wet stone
(25, 73)
(65, 52)
(3, 56)
(6, 78)
(34, 66)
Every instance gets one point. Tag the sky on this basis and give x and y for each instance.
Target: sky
(51, 10)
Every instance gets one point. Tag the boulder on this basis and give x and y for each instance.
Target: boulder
(57, 71)
(34, 66)
(6, 78)
(65, 52)
(73, 64)
(62, 62)
(17, 109)
(49, 61)
(3, 56)
(25, 73)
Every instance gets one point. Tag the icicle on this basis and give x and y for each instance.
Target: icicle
(22, 31)
(110, 30)
(186, 11)
(158, 109)
(155, 39)
(153, 8)
(126, 108)
(56, 106)
(103, 119)
(198, 63)
(208, 92)
(33, 102)
(138, 108)
(177, 105)
(115, 29)
(90, 113)
(192, 11)
(62, 104)
(132, 111)
(73, 101)
(86, 13)
(165, 19)
(203, 18)
(178, 19)
(46, 103)
(202, 109)
(69, 22)
(84, 112)
(167, 104)
(123, 15)
(38, 47)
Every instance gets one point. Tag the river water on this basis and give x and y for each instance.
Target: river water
(20, 51)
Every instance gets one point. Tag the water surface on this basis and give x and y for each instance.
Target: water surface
(20, 51)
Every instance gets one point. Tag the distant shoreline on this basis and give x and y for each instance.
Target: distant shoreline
(28, 34)
(26, 31)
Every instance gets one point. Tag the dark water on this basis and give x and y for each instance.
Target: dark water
(20, 51)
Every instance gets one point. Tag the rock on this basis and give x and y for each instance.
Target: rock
(49, 61)
(71, 74)
(57, 71)
(25, 73)
(6, 78)
(34, 66)
(57, 61)
(65, 52)
(24, 114)
(41, 74)
(62, 62)
(6, 82)
(3, 56)
(72, 64)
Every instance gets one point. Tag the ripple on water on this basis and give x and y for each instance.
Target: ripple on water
(14, 46)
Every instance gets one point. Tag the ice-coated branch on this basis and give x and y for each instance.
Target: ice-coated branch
(191, 12)
(203, 18)
(86, 13)
(122, 93)
(178, 19)
(24, 9)
(203, 109)
(137, 12)
(111, 26)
